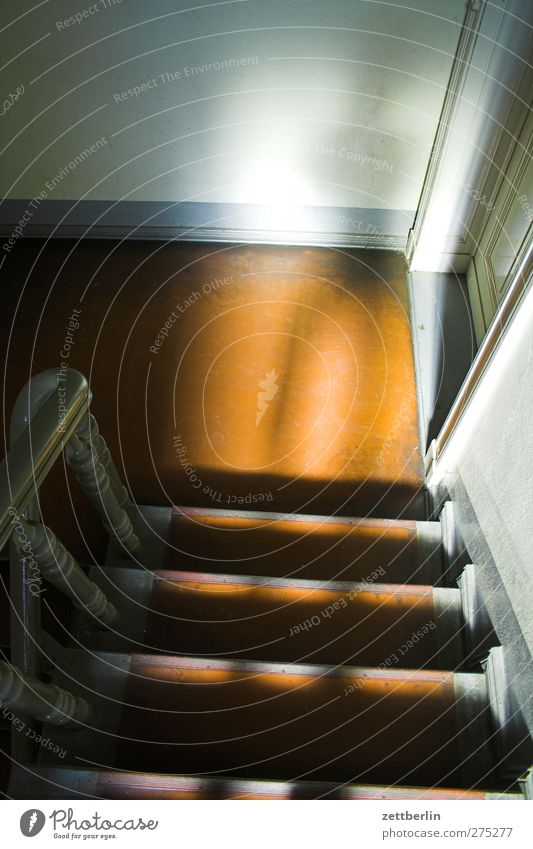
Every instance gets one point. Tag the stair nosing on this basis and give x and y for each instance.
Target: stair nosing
(187, 577)
(180, 511)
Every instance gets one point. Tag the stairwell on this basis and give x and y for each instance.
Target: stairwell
(302, 653)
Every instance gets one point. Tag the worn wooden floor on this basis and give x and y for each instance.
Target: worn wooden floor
(254, 376)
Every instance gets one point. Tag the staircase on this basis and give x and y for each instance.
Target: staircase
(311, 657)
(237, 654)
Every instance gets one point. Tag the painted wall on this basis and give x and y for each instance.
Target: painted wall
(245, 101)
(444, 344)
(487, 467)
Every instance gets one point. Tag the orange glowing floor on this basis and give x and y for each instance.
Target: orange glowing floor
(293, 386)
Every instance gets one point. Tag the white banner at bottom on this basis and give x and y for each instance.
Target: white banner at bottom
(258, 824)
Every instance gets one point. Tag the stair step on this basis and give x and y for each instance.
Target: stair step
(291, 722)
(286, 620)
(5, 757)
(298, 721)
(5, 605)
(298, 546)
(52, 783)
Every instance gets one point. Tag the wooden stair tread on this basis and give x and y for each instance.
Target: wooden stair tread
(285, 620)
(300, 721)
(67, 783)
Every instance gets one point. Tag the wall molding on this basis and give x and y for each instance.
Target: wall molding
(508, 230)
(476, 134)
(203, 221)
(455, 91)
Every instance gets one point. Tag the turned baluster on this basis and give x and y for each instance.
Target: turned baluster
(56, 565)
(93, 478)
(26, 695)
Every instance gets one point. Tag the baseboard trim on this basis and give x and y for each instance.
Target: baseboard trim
(202, 221)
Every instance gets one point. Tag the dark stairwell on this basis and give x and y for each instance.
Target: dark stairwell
(290, 630)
